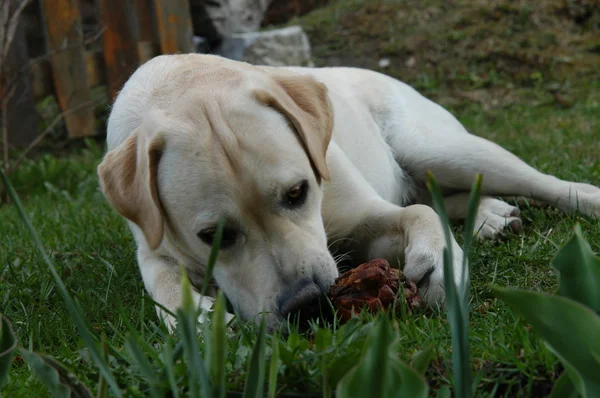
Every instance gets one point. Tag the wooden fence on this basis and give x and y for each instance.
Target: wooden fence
(130, 32)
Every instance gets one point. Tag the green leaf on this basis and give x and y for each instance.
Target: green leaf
(323, 340)
(57, 379)
(570, 329)
(421, 359)
(73, 309)
(255, 382)
(274, 368)
(8, 343)
(456, 296)
(217, 348)
(444, 392)
(380, 373)
(579, 268)
(564, 388)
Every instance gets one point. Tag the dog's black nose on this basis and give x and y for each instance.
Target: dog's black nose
(301, 302)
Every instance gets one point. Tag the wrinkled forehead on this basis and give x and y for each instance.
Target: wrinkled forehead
(229, 150)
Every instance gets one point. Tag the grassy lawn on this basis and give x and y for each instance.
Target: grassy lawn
(531, 86)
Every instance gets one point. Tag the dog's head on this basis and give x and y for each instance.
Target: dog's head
(245, 145)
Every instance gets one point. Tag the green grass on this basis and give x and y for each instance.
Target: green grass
(94, 252)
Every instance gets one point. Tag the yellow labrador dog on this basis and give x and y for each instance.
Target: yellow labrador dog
(301, 162)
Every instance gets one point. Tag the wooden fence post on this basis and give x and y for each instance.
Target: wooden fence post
(65, 39)
(16, 97)
(174, 26)
(147, 38)
(120, 43)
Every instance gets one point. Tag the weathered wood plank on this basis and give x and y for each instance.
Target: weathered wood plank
(145, 18)
(64, 33)
(174, 26)
(120, 42)
(42, 73)
(147, 35)
(21, 118)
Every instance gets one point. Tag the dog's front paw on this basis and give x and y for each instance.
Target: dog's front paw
(425, 267)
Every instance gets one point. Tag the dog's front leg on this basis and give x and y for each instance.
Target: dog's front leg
(412, 236)
(355, 215)
(162, 279)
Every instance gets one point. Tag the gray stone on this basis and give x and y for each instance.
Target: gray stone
(280, 47)
(215, 19)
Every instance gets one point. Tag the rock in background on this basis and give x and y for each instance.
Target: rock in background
(280, 47)
(216, 19)
(230, 28)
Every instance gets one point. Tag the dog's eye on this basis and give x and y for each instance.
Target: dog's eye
(297, 195)
(228, 238)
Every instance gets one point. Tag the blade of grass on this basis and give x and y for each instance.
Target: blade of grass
(468, 238)
(214, 252)
(168, 358)
(217, 348)
(74, 311)
(274, 367)
(456, 300)
(102, 391)
(255, 381)
(187, 321)
(323, 339)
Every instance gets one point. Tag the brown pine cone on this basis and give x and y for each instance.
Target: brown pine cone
(371, 287)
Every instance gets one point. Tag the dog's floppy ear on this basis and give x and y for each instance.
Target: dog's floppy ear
(128, 180)
(305, 102)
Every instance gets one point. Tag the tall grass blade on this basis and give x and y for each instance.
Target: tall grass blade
(579, 269)
(274, 368)
(168, 359)
(57, 379)
(72, 308)
(8, 344)
(255, 382)
(468, 238)
(187, 321)
(217, 347)
(323, 340)
(456, 298)
(212, 257)
(102, 389)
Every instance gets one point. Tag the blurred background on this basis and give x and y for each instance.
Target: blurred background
(62, 61)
